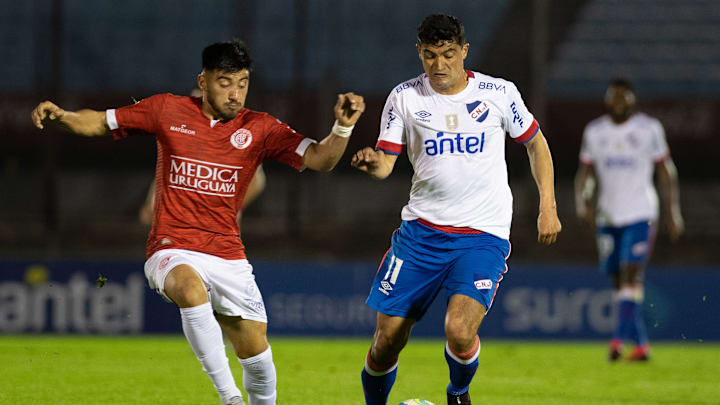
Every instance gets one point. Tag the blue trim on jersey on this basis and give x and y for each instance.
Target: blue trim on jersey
(422, 260)
(531, 137)
(387, 151)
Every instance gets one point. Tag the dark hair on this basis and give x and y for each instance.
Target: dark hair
(621, 82)
(230, 56)
(438, 28)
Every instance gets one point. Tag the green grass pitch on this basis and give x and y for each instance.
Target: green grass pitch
(163, 370)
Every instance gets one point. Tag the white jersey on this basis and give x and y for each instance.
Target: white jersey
(624, 157)
(456, 144)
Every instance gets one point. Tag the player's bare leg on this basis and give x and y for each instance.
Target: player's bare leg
(249, 339)
(462, 320)
(184, 286)
(378, 375)
(632, 290)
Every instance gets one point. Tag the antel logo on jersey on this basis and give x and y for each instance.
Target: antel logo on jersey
(454, 143)
(182, 129)
(203, 177)
(241, 138)
(478, 110)
(483, 284)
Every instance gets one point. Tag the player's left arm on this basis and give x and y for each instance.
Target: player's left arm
(324, 155)
(255, 188)
(541, 166)
(670, 193)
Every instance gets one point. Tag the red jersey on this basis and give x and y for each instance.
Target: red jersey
(204, 168)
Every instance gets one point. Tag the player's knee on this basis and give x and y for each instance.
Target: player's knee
(460, 336)
(188, 296)
(185, 290)
(387, 346)
(632, 274)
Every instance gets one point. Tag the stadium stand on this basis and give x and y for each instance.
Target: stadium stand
(666, 47)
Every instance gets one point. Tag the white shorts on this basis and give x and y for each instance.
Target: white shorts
(230, 283)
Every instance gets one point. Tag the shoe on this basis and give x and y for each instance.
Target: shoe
(462, 399)
(235, 401)
(640, 353)
(615, 351)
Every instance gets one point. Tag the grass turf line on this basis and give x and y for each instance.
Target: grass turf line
(163, 370)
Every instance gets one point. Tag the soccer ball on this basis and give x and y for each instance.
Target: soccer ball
(416, 401)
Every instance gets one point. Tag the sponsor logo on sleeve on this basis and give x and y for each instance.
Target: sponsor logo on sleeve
(516, 115)
(241, 138)
(485, 284)
(391, 117)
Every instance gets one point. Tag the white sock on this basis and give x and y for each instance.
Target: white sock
(205, 337)
(259, 378)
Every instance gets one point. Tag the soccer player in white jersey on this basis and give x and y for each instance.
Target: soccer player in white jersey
(621, 150)
(455, 228)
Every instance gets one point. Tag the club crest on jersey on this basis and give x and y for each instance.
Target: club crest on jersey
(479, 110)
(241, 138)
(451, 120)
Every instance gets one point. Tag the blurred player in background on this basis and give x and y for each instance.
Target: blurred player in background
(208, 151)
(456, 226)
(621, 150)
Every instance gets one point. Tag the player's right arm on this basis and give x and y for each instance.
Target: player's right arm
(376, 163)
(670, 193)
(668, 182)
(584, 193)
(82, 122)
(379, 162)
(585, 182)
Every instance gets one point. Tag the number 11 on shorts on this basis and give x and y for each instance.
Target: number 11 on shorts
(392, 272)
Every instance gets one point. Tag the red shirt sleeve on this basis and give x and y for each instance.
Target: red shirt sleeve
(141, 117)
(283, 143)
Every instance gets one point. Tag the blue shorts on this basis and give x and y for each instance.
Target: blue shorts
(619, 246)
(422, 260)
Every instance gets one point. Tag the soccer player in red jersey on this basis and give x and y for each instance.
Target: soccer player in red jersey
(208, 150)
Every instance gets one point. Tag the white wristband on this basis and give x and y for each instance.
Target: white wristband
(341, 131)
